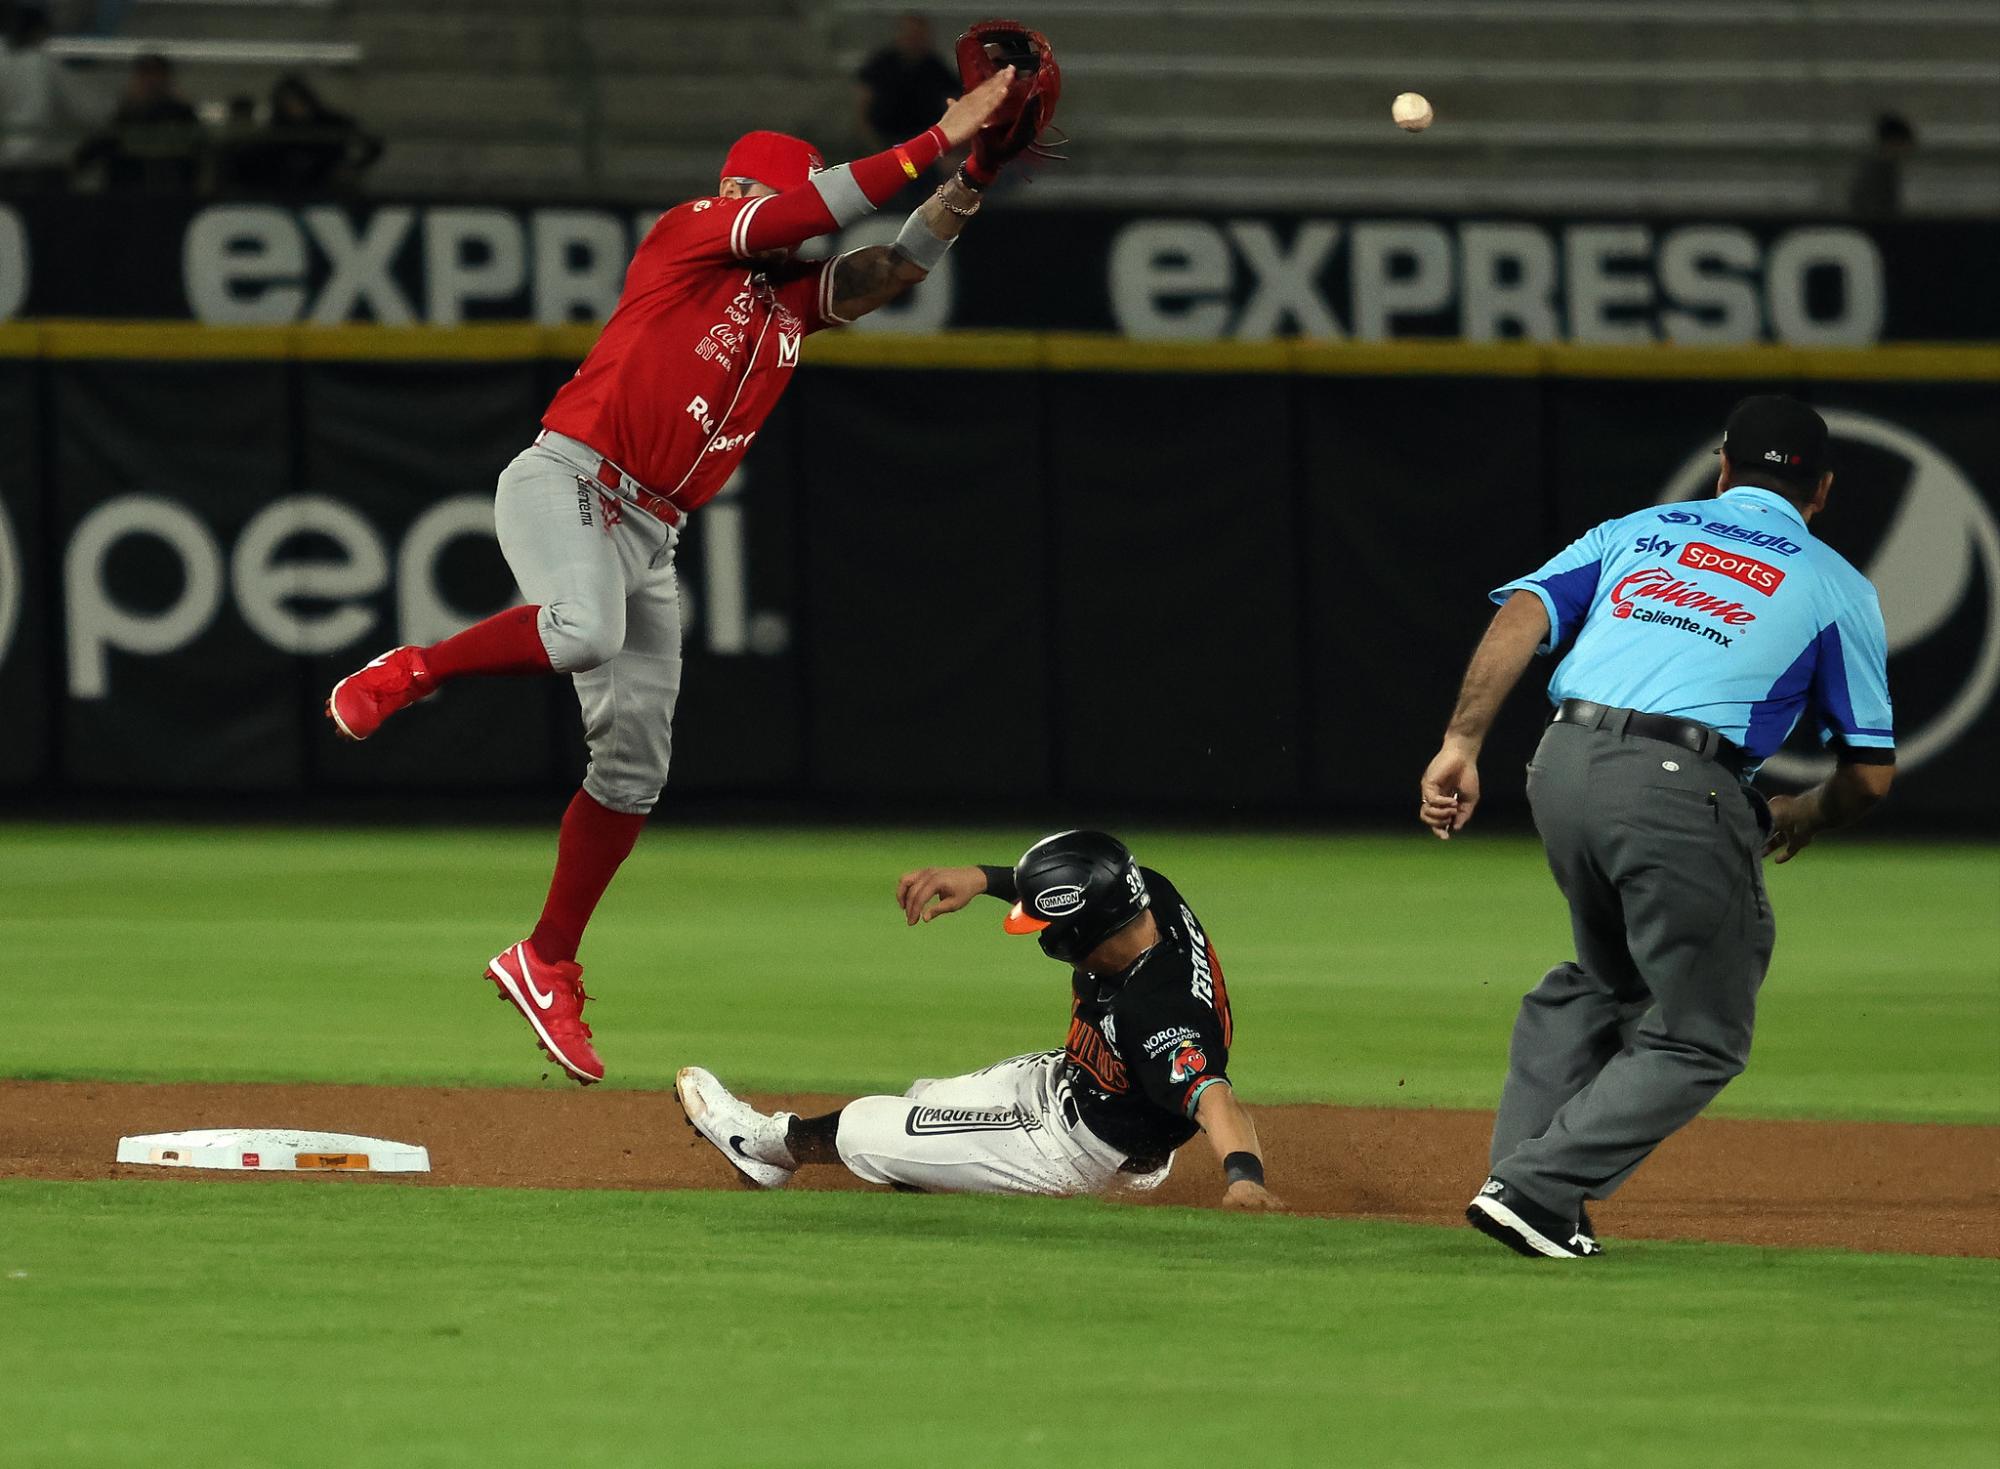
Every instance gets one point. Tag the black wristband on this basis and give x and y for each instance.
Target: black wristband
(1241, 1166)
(1000, 883)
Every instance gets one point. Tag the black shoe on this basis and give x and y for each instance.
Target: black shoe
(1524, 1226)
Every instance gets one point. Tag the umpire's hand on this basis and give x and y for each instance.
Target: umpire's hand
(1450, 789)
(950, 888)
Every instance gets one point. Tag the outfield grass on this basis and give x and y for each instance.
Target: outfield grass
(320, 1323)
(307, 1322)
(1365, 970)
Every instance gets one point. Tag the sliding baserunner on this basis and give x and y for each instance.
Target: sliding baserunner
(1143, 1069)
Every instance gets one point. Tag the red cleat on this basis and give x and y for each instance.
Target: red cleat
(551, 996)
(361, 701)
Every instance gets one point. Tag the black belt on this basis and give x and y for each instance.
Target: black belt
(1697, 738)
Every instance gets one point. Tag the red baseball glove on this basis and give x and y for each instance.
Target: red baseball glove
(1031, 101)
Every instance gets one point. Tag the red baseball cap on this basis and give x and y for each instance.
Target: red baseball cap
(776, 159)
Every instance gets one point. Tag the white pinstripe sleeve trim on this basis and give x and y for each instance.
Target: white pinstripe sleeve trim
(739, 233)
(826, 311)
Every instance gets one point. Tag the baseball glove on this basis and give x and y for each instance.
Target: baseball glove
(1030, 107)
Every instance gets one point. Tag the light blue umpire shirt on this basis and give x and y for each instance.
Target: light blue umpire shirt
(1726, 612)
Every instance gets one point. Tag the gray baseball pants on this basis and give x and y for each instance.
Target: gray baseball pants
(1659, 852)
(602, 571)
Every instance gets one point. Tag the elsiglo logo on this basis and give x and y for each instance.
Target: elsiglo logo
(1058, 901)
(1939, 551)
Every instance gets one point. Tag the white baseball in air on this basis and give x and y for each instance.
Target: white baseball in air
(1412, 111)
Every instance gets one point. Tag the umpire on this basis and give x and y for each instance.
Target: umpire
(1703, 632)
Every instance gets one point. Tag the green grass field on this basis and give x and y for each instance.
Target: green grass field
(312, 1322)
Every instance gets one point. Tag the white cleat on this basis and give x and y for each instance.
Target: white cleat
(753, 1143)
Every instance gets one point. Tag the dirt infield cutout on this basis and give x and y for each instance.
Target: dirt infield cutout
(1922, 1189)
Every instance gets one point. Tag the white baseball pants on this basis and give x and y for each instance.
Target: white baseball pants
(602, 571)
(1010, 1129)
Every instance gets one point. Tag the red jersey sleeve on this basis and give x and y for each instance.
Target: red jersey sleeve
(734, 229)
(699, 231)
(810, 294)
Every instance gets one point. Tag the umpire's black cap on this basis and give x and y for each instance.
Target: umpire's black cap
(1778, 435)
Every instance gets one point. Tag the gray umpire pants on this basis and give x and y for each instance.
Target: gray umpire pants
(1659, 852)
(602, 571)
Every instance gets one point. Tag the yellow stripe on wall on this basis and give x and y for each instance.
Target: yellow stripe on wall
(178, 341)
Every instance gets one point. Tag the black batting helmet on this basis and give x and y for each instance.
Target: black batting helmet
(1076, 889)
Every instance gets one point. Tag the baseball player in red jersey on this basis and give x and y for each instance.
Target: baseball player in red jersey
(704, 339)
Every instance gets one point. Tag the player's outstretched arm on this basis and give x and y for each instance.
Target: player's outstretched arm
(948, 888)
(1234, 1137)
(873, 277)
(837, 197)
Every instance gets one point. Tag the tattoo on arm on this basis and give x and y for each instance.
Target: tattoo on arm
(866, 279)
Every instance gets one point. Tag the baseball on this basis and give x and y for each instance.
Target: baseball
(1412, 111)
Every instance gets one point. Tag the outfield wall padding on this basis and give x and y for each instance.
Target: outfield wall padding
(1056, 579)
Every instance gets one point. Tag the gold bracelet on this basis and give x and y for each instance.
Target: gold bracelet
(961, 213)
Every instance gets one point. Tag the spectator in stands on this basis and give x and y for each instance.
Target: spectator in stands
(155, 144)
(905, 85)
(39, 104)
(235, 143)
(1877, 189)
(305, 148)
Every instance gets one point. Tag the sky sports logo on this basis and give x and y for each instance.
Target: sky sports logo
(1754, 574)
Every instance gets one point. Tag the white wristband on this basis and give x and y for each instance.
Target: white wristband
(916, 244)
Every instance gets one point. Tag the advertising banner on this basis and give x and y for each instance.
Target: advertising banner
(1220, 593)
(26, 678)
(1192, 276)
(172, 503)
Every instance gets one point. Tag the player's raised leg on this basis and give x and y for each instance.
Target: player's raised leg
(625, 661)
(551, 532)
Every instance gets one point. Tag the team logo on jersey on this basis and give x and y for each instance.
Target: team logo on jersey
(1189, 1061)
(1202, 986)
(788, 349)
(1912, 520)
(1098, 1061)
(1058, 901)
(1755, 575)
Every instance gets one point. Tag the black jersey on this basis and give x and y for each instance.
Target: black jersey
(1144, 1044)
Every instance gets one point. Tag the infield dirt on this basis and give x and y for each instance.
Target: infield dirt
(1924, 1189)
